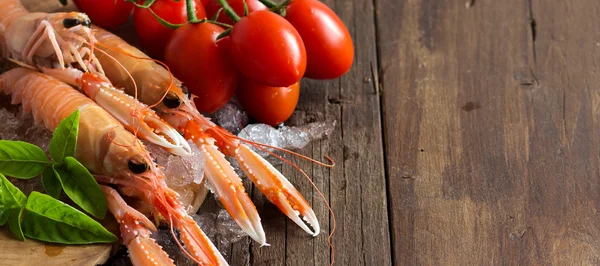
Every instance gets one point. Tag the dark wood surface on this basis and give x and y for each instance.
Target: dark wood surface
(468, 134)
(491, 130)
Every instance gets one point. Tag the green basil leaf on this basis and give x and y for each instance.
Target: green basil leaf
(4, 216)
(48, 219)
(14, 222)
(21, 160)
(51, 182)
(81, 187)
(64, 139)
(10, 197)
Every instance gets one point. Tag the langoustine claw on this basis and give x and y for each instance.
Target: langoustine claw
(133, 115)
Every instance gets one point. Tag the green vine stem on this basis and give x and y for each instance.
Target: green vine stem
(275, 7)
(268, 3)
(224, 34)
(245, 8)
(229, 11)
(191, 10)
(146, 3)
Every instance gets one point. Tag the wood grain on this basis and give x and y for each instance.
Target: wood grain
(491, 131)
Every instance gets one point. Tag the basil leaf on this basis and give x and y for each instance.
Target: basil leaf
(21, 160)
(14, 222)
(48, 219)
(51, 182)
(81, 187)
(10, 197)
(64, 139)
(4, 216)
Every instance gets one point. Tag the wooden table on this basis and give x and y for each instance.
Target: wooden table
(468, 134)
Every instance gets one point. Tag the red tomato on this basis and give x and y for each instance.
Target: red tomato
(153, 35)
(105, 13)
(269, 105)
(329, 47)
(212, 6)
(267, 49)
(202, 64)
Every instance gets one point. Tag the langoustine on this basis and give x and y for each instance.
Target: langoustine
(56, 43)
(100, 149)
(155, 86)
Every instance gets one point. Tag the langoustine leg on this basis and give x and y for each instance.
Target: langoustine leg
(100, 147)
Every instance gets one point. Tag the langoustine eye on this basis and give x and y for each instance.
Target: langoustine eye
(72, 22)
(171, 100)
(137, 167)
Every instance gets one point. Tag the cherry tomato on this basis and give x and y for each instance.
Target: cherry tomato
(105, 13)
(267, 49)
(153, 35)
(213, 6)
(269, 105)
(329, 47)
(202, 64)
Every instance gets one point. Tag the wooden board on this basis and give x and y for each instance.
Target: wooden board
(31, 252)
(491, 130)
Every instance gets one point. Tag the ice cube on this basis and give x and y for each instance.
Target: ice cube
(232, 117)
(211, 188)
(39, 136)
(295, 137)
(264, 134)
(228, 230)
(319, 130)
(179, 171)
(286, 137)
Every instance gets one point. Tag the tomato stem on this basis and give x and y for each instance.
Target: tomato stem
(146, 3)
(164, 22)
(223, 34)
(245, 8)
(191, 11)
(224, 25)
(205, 20)
(229, 11)
(216, 16)
(268, 3)
(275, 7)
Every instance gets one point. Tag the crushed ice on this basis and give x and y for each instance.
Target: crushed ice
(296, 137)
(179, 171)
(232, 117)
